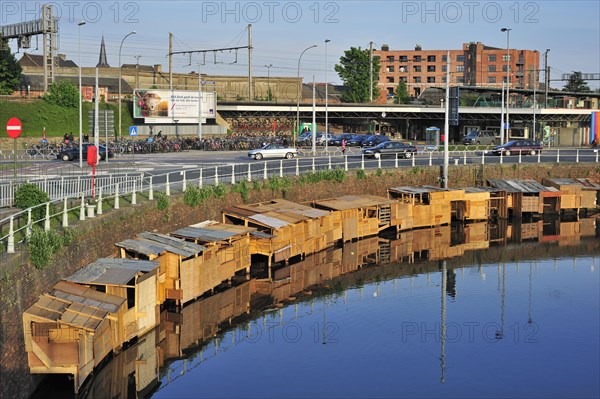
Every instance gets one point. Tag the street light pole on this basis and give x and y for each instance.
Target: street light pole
(507, 30)
(298, 93)
(546, 78)
(326, 99)
(120, 48)
(269, 81)
(79, 25)
(534, 90)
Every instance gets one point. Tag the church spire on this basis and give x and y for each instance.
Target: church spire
(102, 62)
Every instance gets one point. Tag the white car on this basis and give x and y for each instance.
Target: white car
(273, 151)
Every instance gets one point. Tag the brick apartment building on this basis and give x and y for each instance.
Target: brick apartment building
(474, 65)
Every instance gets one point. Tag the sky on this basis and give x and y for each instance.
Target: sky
(282, 29)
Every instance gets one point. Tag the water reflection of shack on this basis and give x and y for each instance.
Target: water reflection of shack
(527, 197)
(227, 253)
(431, 206)
(359, 216)
(135, 367)
(180, 264)
(133, 280)
(576, 194)
(71, 329)
(200, 320)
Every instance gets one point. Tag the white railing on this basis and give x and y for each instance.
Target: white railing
(111, 188)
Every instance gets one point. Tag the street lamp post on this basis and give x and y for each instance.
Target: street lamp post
(507, 30)
(269, 81)
(546, 78)
(79, 25)
(120, 48)
(298, 93)
(326, 100)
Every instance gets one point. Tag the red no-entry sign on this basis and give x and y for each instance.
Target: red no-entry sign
(13, 128)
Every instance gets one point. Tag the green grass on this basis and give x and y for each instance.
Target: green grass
(57, 120)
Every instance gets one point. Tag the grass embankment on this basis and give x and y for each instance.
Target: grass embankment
(57, 120)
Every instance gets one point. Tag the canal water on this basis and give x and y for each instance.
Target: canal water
(515, 316)
(515, 329)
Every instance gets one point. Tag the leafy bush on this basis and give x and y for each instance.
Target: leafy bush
(162, 201)
(361, 175)
(191, 197)
(29, 195)
(379, 172)
(42, 245)
(63, 93)
(242, 188)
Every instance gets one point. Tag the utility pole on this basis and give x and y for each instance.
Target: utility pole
(250, 91)
(447, 120)
(546, 78)
(371, 71)
(170, 61)
(534, 90)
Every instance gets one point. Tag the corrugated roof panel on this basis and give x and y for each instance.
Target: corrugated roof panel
(204, 234)
(261, 234)
(269, 221)
(184, 247)
(111, 271)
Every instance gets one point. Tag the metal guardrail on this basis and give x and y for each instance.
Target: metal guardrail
(21, 223)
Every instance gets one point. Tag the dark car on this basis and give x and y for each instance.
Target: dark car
(390, 148)
(356, 140)
(374, 140)
(337, 139)
(71, 154)
(530, 147)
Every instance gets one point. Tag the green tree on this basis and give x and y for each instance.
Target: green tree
(30, 195)
(63, 93)
(576, 84)
(10, 69)
(401, 94)
(353, 69)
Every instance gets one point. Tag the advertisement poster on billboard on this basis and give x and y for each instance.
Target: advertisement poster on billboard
(164, 106)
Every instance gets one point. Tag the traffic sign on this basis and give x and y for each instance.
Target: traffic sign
(133, 130)
(13, 128)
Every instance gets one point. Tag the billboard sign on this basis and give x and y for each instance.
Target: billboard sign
(165, 106)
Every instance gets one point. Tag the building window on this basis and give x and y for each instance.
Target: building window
(390, 68)
(403, 79)
(504, 68)
(390, 91)
(403, 58)
(460, 79)
(417, 68)
(505, 57)
(444, 79)
(417, 79)
(430, 79)
(417, 58)
(460, 58)
(444, 58)
(491, 68)
(492, 58)
(444, 67)
(460, 68)
(390, 58)
(491, 79)
(431, 58)
(390, 79)
(431, 68)
(403, 69)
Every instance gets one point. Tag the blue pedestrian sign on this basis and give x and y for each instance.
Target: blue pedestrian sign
(133, 130)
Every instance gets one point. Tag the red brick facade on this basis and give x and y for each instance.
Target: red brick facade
(474, 65)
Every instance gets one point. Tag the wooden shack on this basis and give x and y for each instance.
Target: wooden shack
(279, 236)
(180, 264)
(359, 216)
(480, 203)
(71, 329)
(575, 194)
(527, 197)
(133, 280)
(227, 254)
(431, 206)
